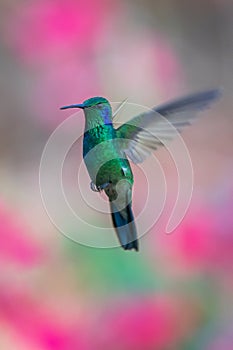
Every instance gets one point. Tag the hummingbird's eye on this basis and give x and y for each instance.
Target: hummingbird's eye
(99, 104)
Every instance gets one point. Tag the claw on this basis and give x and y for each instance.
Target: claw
(98, 188)
(94, 187)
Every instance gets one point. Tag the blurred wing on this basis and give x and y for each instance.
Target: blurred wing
(150, 130)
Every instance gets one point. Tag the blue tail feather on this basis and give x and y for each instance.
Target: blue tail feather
(124, 225)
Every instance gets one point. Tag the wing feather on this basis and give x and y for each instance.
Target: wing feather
(151, 130)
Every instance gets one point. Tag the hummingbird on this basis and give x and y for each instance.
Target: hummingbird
(107, 150)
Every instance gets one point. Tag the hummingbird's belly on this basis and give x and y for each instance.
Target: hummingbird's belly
(106, 165)
(113, 171)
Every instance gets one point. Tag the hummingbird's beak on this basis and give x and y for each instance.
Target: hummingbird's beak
(74, 106)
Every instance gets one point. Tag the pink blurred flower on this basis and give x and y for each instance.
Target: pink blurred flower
(60, 38)
(207, 238)
(38, 324)
(140, 324)
(43, 29)
(16, 243)
(196, 238)
(204, 239)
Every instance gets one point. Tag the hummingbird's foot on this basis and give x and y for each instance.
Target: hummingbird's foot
(98, 188)
(94, 187)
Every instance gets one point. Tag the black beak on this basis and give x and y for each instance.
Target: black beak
(73, 106)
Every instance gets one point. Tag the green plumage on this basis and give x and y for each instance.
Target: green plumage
(103, 157)
(109, 169)
(106, 150)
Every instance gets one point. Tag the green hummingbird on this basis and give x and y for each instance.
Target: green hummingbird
(107, 149)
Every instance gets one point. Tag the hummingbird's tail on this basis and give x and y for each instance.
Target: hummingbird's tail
(125, 227)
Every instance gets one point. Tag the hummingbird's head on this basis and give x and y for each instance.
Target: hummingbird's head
(95, 108)
(93, 102)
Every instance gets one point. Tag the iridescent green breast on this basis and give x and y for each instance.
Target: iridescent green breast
(103, 157)
(96, 136)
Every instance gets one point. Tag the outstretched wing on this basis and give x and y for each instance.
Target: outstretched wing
(150, 130)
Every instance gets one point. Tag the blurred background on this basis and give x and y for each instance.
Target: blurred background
(177, 292)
